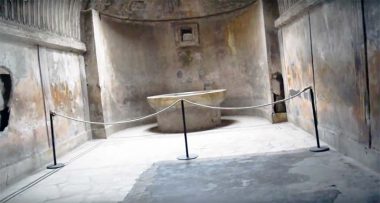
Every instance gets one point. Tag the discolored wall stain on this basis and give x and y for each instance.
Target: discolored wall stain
(179, 74)
(372, 19)
(61, 94)
(325, 47)
(25, 143)
(298, 72)
(65, 91)
(25, 136)
(339, 75)
(185, 57)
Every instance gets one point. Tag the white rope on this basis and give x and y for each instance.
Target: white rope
(247, 107)
(174, 103)
(119, 122)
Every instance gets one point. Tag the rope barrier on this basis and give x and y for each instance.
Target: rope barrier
(247, 107)
(187, 156)
(118, 122)
(174, 103)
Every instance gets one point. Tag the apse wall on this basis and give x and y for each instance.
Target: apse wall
(144, 59)
(334, 47)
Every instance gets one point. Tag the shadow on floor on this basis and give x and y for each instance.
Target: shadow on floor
(225, 123)
(297, 176)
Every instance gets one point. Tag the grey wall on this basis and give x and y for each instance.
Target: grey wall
(325, 46)
(142, 59)
(48, 74)
(27, 110)
(372, 22)
(25, 143)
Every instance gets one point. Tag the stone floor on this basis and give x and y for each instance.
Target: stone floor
(298, 176)
(246, 160)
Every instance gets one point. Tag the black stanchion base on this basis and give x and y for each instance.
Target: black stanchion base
(184, 157)
(55, 166)
(319, 149)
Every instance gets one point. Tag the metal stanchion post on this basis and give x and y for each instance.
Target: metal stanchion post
(55, 165)
(318, 148)
(187, 156)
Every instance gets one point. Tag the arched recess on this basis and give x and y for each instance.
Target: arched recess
(6, 84)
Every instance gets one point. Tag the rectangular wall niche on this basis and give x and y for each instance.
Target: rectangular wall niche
(186, 34)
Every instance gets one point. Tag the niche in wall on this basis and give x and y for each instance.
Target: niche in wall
(278, 92)
(186, 34)
(6, 92)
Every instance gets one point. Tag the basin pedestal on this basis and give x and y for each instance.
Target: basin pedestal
(197, 118)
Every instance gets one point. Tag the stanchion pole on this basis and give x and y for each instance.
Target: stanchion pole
(318, 148)
(187, 156)
(55, 165)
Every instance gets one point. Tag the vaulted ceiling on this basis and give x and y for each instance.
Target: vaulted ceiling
(156, 10)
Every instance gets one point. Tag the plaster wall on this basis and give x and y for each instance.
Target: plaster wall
(94, 52)
(43, 79)
(26, 110)
(39, 45)
(372, 22)
(325, 47)
(142, 59)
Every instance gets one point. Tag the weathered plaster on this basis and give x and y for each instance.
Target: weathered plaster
(43, 79)
(372, 21)
(27, 110)
(326, 47)
(142, 59)
(338, 54)
(298, 72)
(38, 48)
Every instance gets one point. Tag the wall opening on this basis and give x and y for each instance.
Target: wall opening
(278, 92)
(6, 92)
(186, 34)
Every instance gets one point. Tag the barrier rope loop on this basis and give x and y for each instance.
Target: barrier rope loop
(118, 122)
(247, 107)
(174, 103)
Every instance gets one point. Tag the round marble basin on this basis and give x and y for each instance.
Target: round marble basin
(197, 118)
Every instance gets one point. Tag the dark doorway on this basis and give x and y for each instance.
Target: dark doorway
(6, 89)
(278, 92)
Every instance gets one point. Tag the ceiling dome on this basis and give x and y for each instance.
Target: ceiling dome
(167, 10)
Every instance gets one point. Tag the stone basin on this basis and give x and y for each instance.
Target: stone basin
(197, 118)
